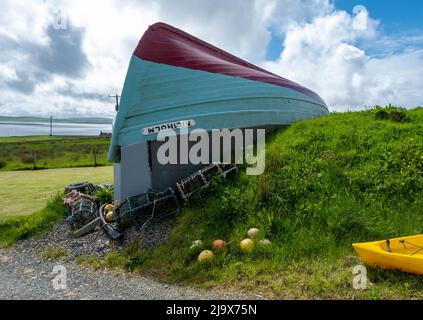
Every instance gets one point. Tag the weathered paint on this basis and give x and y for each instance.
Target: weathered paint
(157, 93)
(175, 79)
(165, 44)
(132, 175)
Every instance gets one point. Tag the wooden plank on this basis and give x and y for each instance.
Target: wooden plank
(87, 228)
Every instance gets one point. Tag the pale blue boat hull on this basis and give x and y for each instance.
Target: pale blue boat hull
(157, 93)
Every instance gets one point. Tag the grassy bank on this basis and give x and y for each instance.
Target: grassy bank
(16, 228)
(328, 182)
(24, 192)
(17, 153)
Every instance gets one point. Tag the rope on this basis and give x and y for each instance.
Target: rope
(413, 244)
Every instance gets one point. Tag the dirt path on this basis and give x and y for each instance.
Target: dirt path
(25, 276)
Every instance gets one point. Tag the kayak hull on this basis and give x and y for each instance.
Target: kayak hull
(406, 254)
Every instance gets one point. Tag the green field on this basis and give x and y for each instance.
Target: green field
(328, 182)
(17, 153)
(24, 192)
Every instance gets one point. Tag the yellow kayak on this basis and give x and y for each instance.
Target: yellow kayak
(404, 253)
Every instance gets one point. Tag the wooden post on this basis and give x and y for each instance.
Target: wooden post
(87, 228)
(95, 156)
(34, 160)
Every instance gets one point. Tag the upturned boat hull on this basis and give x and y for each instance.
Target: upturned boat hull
(174, 77)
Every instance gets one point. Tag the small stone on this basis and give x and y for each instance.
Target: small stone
(69, 293)
(4, 258)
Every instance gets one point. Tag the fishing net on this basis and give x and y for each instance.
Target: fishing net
(74, 197)
(228, 169)
(83, 187)
(143, 209)
(202, 178)
(82, 213)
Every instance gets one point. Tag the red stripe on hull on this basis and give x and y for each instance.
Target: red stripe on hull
(165, 44)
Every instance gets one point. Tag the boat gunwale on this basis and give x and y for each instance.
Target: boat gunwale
(216, 101)
(211, 114)
(374, 247)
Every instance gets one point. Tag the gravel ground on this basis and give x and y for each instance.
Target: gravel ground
(95, 244)
(24, 274)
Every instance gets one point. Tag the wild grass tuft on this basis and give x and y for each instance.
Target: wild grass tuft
(55, 252)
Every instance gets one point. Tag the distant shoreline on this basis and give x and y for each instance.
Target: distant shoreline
(30, 128)
(27, 123)
(37, 120)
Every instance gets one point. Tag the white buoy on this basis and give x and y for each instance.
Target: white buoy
(252, 233)
(196, 244)
(265, 242)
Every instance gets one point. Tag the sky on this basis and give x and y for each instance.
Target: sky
(63, 58)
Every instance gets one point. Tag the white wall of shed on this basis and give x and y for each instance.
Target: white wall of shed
(132, 176)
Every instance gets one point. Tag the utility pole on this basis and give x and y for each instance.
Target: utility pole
(51, 126)
(116, 96)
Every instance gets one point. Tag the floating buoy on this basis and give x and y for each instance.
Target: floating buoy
(206, 256)
(109, 207)
(246, 245)
(219, 244)
(109, 217)
(252, 233)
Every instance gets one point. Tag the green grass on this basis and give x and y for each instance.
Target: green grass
(55, 252)
(23, 196)
(22, 227)
(328, 182)
(89, 262)
(16, 153)
(24, 192)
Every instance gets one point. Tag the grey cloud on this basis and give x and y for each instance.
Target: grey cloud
(34, 63)
(22, 84)
(71, 91)
(64, 55)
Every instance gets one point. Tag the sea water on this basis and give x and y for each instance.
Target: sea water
(9, 129)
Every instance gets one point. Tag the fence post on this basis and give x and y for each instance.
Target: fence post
(95, 156)
(34, 160)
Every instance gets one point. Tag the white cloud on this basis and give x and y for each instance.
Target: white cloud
(324, 56)
(24, 19)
